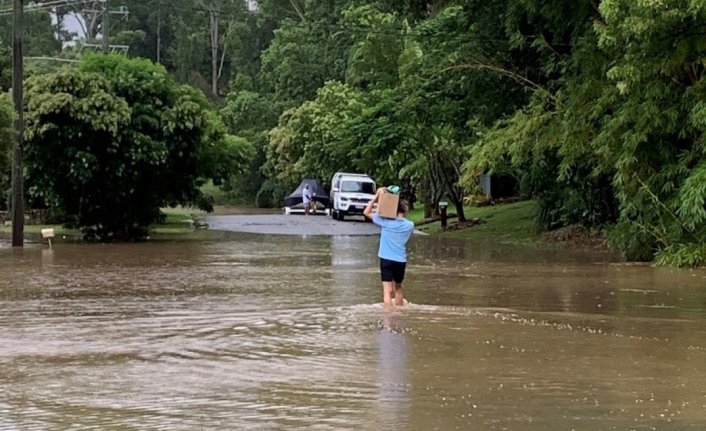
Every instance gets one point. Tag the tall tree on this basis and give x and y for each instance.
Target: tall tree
(5, 68)
(39, 36)
(6, 135)
(222, 18)
(112, 141)
(304, 54)
(89, 17)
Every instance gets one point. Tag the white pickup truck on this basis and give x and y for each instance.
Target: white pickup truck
(350, 193)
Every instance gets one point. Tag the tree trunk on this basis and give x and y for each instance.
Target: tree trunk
(427, 199)
(214, 51)
(460, 211)
(223, 54)
(159, 32)
(298, 10)
(409, 194)
(444, 176)
(59, 26)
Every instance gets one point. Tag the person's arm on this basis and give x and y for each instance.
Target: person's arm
(368, 211)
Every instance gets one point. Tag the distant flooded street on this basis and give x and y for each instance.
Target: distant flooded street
(245, 331)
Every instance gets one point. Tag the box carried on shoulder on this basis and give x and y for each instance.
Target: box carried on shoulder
(387, 205)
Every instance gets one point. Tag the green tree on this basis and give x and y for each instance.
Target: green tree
(224, 156)
(620, 135)
(552, 55)
(222, 24)
(39, 36)
(187, 54)
(313, 140)
(5, 68)
(249, 115)
(306, 53)
(656, 136)
(293, 67)
(281, 10)
(114, 140)
(377, 44)
(446, 105)
(6, 135)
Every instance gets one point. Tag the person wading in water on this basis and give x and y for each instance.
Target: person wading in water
(394, 234)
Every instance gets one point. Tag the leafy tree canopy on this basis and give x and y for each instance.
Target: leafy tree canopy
(6, 135)
(113, 140)
(5, 68)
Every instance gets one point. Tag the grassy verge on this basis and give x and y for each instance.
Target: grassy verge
(508, 223)
(220, 197)
(178, 221)
(37, 229)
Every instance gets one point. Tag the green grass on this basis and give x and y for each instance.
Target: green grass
(507, 223)
(178, 221)
(220, 197)
(37, 228)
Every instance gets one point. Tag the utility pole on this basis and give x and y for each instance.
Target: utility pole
(106, 27)
(18, 211)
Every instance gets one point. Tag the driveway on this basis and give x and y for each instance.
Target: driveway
(294, 224)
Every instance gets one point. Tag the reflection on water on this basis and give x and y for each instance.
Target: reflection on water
(393, 373)
(270, 332)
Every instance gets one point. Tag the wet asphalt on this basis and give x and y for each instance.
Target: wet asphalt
(292, 224)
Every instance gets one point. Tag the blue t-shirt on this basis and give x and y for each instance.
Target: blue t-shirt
(394, 234)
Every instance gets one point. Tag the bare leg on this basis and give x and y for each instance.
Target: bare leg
(399, 298)
(387, 287)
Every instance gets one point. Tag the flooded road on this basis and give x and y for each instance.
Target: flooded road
(244, 331)
(293, 224)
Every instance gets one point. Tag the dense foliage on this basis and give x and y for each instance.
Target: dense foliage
(620, 137)
(5, 149)
(5, 68)
(596, 107)
(112, 141)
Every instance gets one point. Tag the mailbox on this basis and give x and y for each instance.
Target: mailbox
(48, 234)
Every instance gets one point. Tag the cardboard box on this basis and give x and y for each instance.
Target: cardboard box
(387, 205)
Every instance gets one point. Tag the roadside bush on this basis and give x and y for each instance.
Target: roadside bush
(111, 142)
(272, 194)
(6, 135)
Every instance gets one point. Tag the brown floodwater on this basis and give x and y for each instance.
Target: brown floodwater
(244, 331)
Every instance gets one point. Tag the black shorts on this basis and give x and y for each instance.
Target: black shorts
(391, 270)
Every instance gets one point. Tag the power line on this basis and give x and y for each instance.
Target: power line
(44, 58)
(105, 11)
(43, 5)
(48, 6)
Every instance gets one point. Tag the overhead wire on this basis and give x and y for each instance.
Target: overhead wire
(47, 6)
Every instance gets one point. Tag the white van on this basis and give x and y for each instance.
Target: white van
(350, 193)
